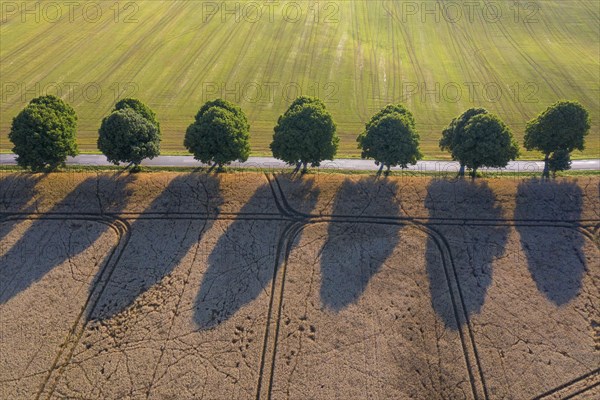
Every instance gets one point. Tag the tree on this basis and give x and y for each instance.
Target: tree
(219, 135)
(453, 135)
(126, 136)
(390, 138)
(305, 134)
(487, 142)
(561, 127)
(43, 134)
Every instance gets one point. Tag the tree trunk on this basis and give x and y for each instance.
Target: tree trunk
(380, 169)
(387, 172)
(546, 172)
(298, 165)
(305, 167)
(474, 173)
(212, 167)
(461, 171)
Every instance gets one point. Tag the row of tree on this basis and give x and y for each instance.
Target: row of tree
(43, 135)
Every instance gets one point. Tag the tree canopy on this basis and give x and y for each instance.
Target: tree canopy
(305, 134)
(390, 138)
(129, 137)
(219, 135)
(453, 135)
(43, 133)
(561, 127)
(487, 142)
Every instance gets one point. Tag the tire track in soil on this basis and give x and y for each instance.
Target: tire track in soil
(121, 229)
(447, 259)
(551, 223)
(283, 248)
(463, 308)
(469, 347)
(176, 312)
(562, 391)
(297, 222)
(74, 336)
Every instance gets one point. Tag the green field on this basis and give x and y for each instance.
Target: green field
(358, 55)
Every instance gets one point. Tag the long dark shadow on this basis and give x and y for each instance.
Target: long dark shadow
(474, 248)
(16, 194)
(354, 252)
(242, 263)
(555, 255)
(41, 249)
(159, 242)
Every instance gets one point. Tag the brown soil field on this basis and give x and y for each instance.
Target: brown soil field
(250, 285)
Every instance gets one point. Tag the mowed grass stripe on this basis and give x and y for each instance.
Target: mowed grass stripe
(369, 54)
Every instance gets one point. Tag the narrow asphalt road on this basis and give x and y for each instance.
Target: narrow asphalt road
(341, 164)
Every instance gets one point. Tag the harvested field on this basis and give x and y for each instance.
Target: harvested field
(249, 285)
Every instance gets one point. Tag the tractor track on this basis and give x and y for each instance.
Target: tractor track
(122, 230)
(296, 222)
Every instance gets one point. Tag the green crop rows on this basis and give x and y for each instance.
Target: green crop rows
(357, 55)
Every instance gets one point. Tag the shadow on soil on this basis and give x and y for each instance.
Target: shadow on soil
(473, 248)
(16, 193)
(242, 263)
(555, 255)
(40, 250)
(354, 252)
(158, 245)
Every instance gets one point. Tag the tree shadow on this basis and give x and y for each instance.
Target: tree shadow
(555, 255)
(474, 248)
(353, 252)
(16, 193)
(38, 251)
(159, 241)
(243, 262)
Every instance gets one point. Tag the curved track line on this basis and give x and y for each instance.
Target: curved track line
(590, 375)
(297, 222)
(282, 252)
(122, 229)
